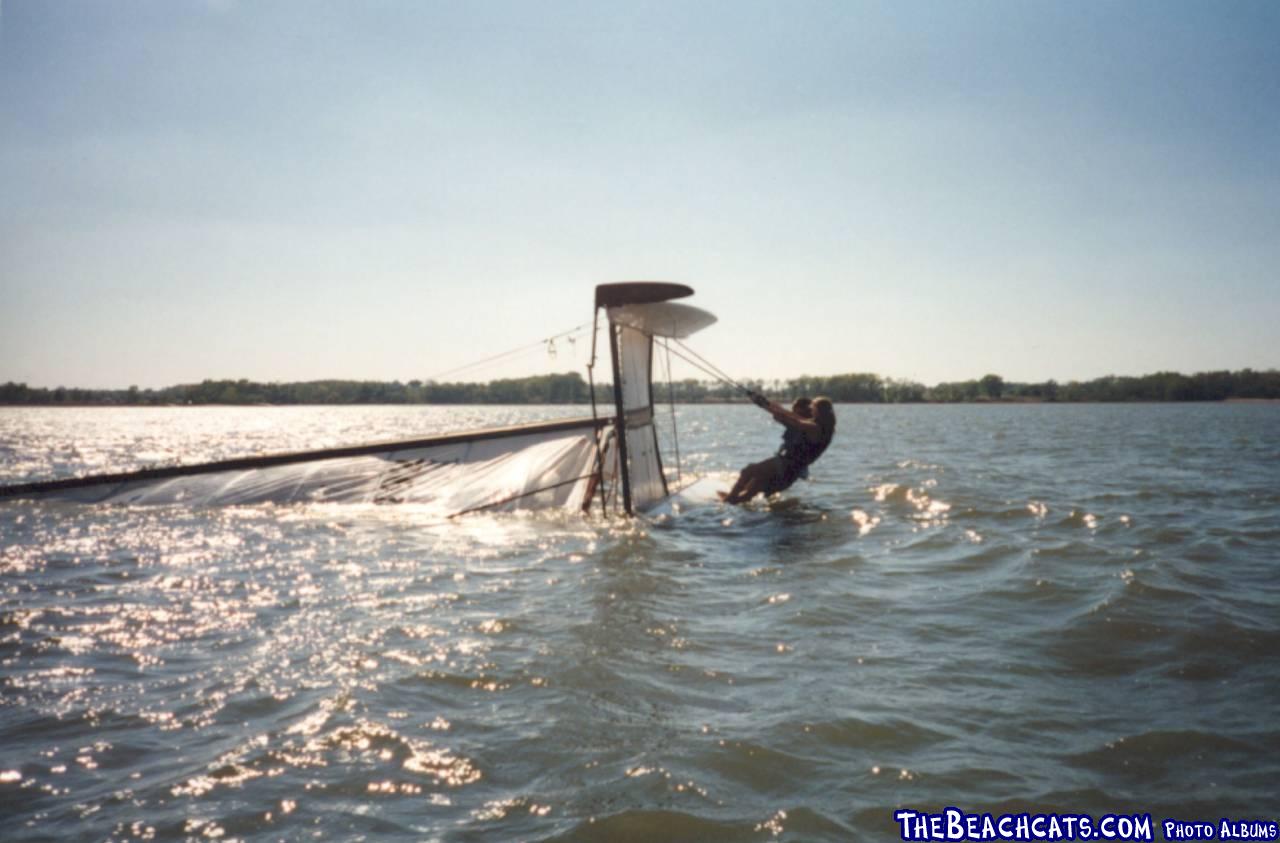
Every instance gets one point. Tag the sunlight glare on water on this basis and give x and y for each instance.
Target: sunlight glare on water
(1003, 608)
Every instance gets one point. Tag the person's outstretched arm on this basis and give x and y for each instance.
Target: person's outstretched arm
(784, 416)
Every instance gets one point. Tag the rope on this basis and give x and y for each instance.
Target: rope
(708, 369)
(715, 370)
(548, 341)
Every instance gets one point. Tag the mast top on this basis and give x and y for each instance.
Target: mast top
(639, 292)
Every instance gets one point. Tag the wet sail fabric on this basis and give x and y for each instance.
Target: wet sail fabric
(530, 466)
(560, 464)
(648, 484)
(633, 328)
(662, 319)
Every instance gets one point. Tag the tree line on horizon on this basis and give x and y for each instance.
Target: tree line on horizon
(572, 388)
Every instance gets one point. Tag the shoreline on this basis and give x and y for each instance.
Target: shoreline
(68, 405)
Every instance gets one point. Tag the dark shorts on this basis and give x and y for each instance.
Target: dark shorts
(784, 472)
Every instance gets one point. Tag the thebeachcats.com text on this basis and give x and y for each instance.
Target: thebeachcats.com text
(956, 825)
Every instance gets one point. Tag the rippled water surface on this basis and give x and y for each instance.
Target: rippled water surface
(1001, 608)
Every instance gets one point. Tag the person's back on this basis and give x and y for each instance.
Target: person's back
(806, 450)
(776, 474)
(824, 415)
(793, 441)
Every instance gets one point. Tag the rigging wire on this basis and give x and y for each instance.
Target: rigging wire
(692, 357)
(720, 376)
(712, 368)
(548, 342)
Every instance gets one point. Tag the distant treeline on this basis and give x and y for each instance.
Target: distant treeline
(568, 388)
(571, 388)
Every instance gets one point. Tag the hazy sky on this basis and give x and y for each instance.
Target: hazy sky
(936, 190)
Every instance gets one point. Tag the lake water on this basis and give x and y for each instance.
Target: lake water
(1000, 608)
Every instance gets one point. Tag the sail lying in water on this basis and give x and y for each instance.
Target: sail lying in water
(541, 463)
(611, 463)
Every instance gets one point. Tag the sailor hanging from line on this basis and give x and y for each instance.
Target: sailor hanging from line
(807, 436)
(793, 439)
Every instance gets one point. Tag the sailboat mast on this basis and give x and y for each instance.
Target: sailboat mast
(621, 418)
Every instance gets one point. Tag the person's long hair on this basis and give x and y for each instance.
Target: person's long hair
(823, 413)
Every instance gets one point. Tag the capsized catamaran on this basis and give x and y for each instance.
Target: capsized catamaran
(605, 463)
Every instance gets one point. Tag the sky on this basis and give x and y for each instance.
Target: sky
(285, 190)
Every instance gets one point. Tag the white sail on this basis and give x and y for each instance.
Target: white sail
(534, 466)
(632, 329)
(572, 464)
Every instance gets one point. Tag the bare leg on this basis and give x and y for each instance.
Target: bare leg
(752, 481)
(746, 494)
(743, 479)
